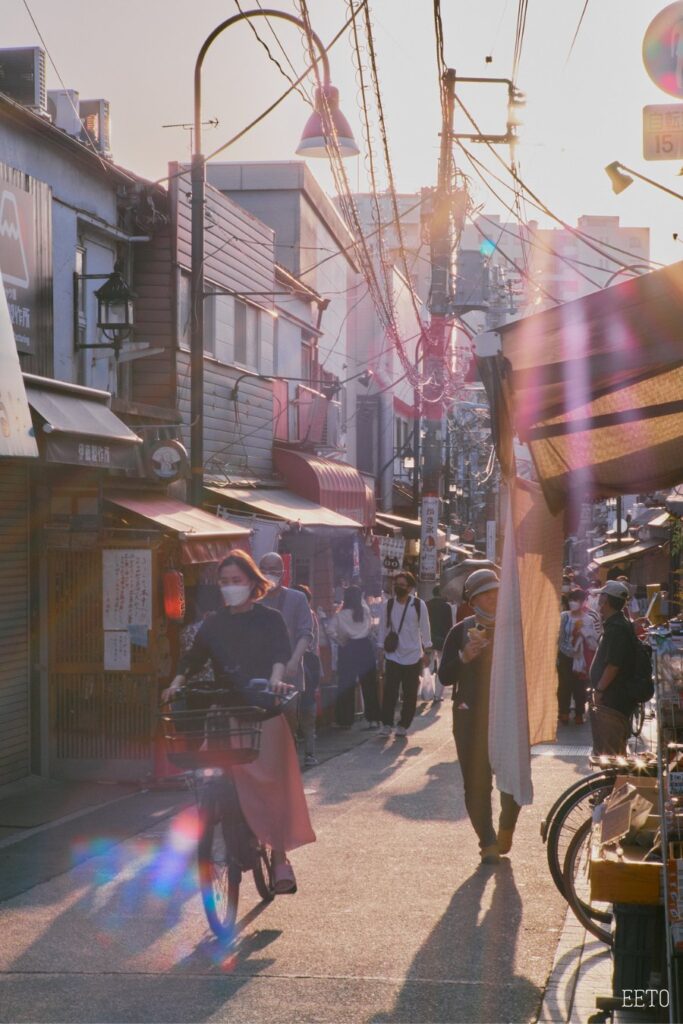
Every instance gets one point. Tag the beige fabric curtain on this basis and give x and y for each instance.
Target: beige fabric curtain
(523, 676)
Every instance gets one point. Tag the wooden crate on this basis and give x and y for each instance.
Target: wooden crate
(624, 880)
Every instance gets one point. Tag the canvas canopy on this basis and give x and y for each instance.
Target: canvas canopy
(595, 389)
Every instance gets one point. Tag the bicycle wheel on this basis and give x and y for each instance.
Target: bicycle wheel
(570, 815)
(637, 720)
(264, 877)
(594, 916)
(219, 878)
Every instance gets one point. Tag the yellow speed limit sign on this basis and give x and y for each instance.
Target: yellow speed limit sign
(663, 131)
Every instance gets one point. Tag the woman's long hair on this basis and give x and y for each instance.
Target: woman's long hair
(249, 567)
(353, 599)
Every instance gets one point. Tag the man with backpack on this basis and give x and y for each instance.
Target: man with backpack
(405, 638)
(620, 673)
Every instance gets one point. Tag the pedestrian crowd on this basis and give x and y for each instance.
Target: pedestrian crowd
(386, 654)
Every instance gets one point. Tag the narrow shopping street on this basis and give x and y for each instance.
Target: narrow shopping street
(395, 920)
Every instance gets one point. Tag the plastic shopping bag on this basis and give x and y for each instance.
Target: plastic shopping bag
(426, 691)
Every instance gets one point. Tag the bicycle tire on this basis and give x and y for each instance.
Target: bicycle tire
(264, 877)
(592, 918)
(219, 880)
(570, 816)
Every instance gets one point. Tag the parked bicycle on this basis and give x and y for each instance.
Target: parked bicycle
(566, 831)
(208, 742)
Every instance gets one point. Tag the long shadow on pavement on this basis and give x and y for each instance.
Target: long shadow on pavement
(466, 969)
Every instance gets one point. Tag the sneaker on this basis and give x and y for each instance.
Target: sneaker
(371, 725)
(400, 731)
(310, 761)
(385, 730)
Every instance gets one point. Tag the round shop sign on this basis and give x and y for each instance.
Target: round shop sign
(167, 461)
(663, 49)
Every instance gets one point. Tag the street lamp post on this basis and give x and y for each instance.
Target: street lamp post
(314, 142)
(618, 174)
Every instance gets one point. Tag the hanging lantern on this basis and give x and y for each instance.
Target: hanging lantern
(174, 595)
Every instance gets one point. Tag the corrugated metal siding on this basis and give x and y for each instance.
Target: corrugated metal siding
(229, 444)
(14, 640)
(153, 378)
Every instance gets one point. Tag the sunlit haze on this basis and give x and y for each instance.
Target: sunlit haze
(583, 110)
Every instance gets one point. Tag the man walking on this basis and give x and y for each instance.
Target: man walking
(295, 610)
(406, 639)
(466, 666)
(610, 671)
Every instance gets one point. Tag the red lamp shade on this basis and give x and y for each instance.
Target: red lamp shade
(174, 595)
(313, 137)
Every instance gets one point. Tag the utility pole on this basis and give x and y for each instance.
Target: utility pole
(437, 342)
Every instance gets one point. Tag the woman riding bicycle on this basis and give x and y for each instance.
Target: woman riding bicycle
(245, 640)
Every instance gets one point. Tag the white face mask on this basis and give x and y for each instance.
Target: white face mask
(574, 606)
(274, 577)
(235, 594)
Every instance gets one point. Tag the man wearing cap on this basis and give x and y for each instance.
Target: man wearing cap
(609, 672)
(466, 666)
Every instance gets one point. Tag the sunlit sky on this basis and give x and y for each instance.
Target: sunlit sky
(583, 110)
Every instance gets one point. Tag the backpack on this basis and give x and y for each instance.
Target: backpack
(640, 685)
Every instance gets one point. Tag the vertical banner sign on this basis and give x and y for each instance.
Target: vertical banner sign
(428, 538)
(16, 429)
(18, 261)
(491, 539)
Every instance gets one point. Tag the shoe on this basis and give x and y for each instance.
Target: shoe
(579, 719)
(400, 731)
(505, 839)
(563, 719)
(490, 854)
(437, 700)
(310, 761)
(385, 730)
(285, 882)
(371, 725)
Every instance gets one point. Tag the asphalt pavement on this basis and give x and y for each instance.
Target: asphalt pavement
(395, 919)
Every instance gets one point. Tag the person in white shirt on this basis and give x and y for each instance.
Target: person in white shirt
(406, 639)
(351, 627)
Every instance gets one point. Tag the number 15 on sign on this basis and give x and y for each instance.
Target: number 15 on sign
(663, 131)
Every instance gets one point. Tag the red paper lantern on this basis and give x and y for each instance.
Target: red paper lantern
(174, 595)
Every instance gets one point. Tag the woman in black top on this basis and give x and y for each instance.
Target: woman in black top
(244, 641)
(466, 666)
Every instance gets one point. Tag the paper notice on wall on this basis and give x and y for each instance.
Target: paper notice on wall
(429, 538)
(391, 551)
(126, 588)
(116, 650)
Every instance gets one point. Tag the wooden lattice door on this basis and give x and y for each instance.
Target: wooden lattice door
(101, 722)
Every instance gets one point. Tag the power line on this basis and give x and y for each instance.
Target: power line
(252, 124)
(589, 240)
(271, 56)
(578, 29)
(107, 167)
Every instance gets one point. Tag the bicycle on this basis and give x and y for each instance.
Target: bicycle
(208, 743)
(571, 816)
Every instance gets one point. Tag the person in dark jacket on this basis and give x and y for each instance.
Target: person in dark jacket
(610, 671)
(440, 623)
(466, 666)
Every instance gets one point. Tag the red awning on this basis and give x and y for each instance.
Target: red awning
(333, 485)
(203, 537)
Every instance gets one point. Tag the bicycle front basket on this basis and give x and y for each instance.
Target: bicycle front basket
(210, 738)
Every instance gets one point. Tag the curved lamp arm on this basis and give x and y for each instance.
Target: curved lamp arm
(244, 16)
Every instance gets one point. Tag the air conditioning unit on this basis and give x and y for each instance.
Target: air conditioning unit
(22, 76)
(96, 119)
(331, 435)
(62, 105)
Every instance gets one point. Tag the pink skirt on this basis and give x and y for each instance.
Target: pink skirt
(271, 791)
